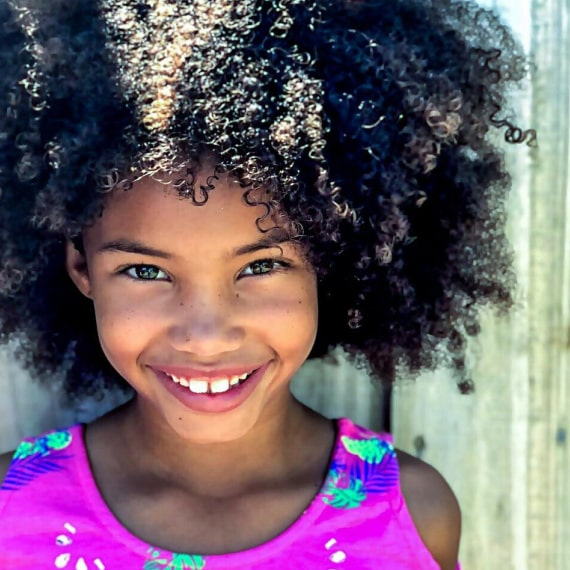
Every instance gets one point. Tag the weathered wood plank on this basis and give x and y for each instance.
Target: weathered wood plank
(338, 389)
(549, 497)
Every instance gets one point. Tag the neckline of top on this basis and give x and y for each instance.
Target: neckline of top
(107, 519)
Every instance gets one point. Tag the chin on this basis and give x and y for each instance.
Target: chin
(207, 430)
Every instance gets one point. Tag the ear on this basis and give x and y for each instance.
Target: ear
(76, 266)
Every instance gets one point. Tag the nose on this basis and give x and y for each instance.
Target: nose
(206, 324)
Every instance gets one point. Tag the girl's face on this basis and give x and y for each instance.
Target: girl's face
(188, 298)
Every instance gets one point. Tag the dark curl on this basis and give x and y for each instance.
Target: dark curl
(368, 122)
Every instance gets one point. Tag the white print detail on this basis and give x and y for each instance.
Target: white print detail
(63, 560)
(336, 557)
(63, 540)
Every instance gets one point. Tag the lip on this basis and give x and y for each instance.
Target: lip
(210, 403)
(205, 373)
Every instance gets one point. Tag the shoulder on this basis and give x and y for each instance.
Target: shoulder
(38, 446)
(433, 507)
(5, 459)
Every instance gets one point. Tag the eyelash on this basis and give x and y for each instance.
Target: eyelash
(282, 266)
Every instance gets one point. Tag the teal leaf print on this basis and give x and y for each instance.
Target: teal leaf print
(161, 561)
(36, 457)
(376, 478)
(369, 450)
(343, 492)
(370, 468)
(57, 440)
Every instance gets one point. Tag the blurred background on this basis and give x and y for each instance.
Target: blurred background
(505, 448)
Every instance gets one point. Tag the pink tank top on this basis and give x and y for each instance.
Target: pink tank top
(53, 516)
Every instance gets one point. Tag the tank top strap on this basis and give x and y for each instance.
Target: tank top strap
(364, 460)
(365, 481)
(39, 462)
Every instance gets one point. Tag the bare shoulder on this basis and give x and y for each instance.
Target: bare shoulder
(433, 507)
(5, 459)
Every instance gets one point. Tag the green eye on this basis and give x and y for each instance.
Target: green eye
(146, 273)
(265, 266)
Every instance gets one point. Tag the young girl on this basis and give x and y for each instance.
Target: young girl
(196, 197)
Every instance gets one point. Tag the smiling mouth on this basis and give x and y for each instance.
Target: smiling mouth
(217, 386)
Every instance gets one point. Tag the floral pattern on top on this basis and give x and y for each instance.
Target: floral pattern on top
(36, 457)
(370, 450)
(370, 467)
(171, 561)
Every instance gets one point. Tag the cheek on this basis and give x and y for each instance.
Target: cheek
(123, 328)
(292, 315)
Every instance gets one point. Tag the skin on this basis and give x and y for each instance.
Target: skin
(205, 308)
(154, 460)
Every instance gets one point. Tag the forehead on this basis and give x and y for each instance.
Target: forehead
(154, 209)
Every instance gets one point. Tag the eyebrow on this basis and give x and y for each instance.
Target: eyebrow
(265, 242)
(130, 246)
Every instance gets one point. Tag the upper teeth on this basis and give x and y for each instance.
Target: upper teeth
(213, 386)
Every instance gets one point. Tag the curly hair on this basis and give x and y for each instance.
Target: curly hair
(369, 122)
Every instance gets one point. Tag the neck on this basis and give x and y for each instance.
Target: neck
(277, 447)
